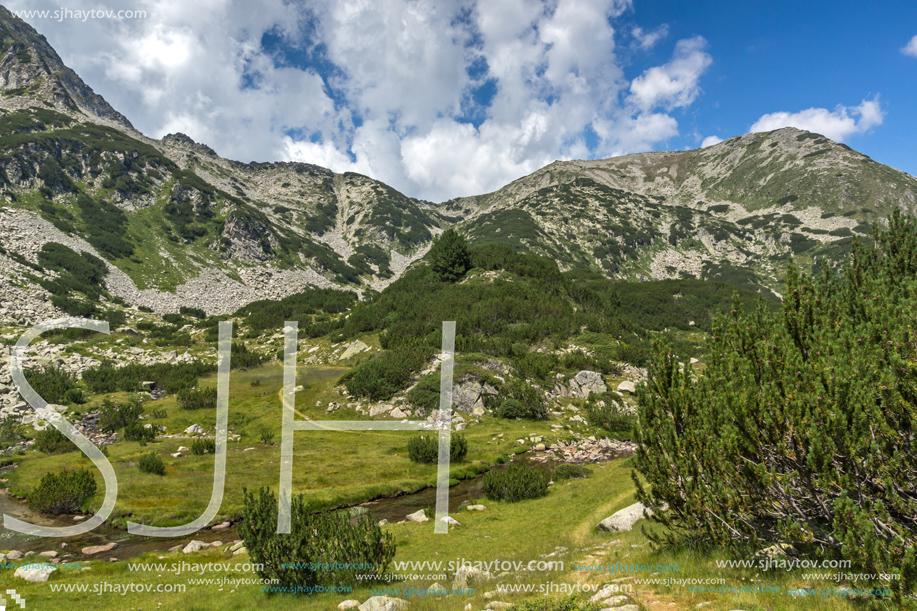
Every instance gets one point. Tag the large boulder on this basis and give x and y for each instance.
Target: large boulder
(624, 520)
(348, 604)
(35, 573)
(627, 386)
(384, 603)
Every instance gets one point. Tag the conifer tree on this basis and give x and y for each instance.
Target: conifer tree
(449, 256)
(801, 428)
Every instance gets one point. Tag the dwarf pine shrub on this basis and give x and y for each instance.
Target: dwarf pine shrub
(52, 441)
(150, 463)
(202, 446)
(425, 448)
(801, 428)
(316, 538)
(63, 492)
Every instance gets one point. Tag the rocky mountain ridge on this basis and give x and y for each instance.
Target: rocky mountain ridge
(178, 225)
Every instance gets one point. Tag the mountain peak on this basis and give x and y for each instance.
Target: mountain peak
(32, 71)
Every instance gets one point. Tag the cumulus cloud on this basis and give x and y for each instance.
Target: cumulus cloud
(676, 83)
(838, 124)
(439, 98)
(911, 47)
(710, 141)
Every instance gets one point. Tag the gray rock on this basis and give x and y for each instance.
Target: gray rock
(475, 508)
(355, 348)
(194, 429)
(469, 577)
(608, 598)
(348, 604)
(624, 520)
(384, 603)
(99, 549)
(418, 516)
(466, 396)
(13, 555)
(192, 547)
(378, 410)
(35, 574)
(627, 386)
(590, 382)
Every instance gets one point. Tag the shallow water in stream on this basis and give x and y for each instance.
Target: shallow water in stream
(392, 509)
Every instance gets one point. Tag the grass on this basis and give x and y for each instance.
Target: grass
(522, 531)
(329, 467)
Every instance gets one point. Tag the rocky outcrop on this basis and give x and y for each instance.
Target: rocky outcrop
(579, 386)
(468, 396)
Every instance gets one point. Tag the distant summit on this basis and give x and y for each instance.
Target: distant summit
(31, 69)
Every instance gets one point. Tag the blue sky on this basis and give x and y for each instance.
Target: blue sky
(447, 98)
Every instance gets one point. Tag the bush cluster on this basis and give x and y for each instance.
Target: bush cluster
(52, 441)
(266, 314)
(425, 448)
(55, 385)
(379, 378)
(323, 538)
(242, 358)
(202, 446)
(515, 483)
(569, 471)
(203, 398)
(138, 432)
(106, 378)
(114, 416)
(63, 492)
(151, 463)
(524, 401)
(568, 603)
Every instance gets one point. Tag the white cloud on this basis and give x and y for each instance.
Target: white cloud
(387, 88)
(911, 47)
(710, 141)
(676, 83)
(647, 39)
(838, 124)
